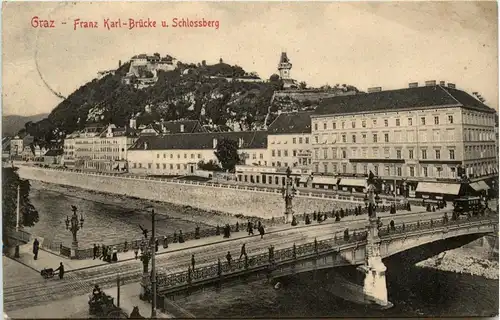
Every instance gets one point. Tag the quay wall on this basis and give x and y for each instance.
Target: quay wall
(248, 201)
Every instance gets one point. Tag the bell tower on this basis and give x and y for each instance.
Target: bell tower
(284, 66)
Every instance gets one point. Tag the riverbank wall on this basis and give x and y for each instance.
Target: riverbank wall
(235, 200)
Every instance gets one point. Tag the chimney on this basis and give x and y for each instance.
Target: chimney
(430, 83)
(374, 89)
(451, 85)
(214, 143)
(119, 63)
(413, 85)
(442, 83)
(133, 123)
(182, 128)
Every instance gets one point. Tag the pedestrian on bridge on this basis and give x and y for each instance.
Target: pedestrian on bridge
(393, 227)
(95, 251)
(61, 270)
(228, 258)
(243, 251)
(192, 260)
(261, 231)
(36, 246)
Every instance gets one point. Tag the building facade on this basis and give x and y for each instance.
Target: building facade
(99, 148)
(179, 154)
(404, 136)
(288, 140)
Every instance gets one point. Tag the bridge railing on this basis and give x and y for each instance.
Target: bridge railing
(20, 235)
(255, 261)
(429, 224)
(168, 281)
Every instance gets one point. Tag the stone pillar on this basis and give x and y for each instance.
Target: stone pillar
(374, 288)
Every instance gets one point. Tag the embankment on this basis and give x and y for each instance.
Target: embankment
(474, 259)
(244, 201)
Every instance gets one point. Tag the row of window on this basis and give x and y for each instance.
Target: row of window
(387, 137)
(388, 171)
(476, 152)
(278, 153)
(397, 123)
(479, 119)
(479, 135)
(285, 164)
(353, 153)
(163, 166)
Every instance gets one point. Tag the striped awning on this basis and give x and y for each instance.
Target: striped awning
(324, 180)
(438, 188)
(353, 182)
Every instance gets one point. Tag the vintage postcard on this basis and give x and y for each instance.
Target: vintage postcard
(249, 159)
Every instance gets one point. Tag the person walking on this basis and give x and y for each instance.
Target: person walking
(95, 251)
(115, 254)
(228, 258)
(136, 252)
(192, 261)
(157, 244)
(36, 246)
(261, 231)
(243, 251)
(61, 270)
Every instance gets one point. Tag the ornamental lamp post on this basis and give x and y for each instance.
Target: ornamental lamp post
(288, 193)
(74, 224)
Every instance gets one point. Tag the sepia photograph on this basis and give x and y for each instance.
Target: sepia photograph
(232, 160)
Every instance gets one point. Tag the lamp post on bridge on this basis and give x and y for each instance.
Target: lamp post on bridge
(149, 253)
(288, 193)
(74, 225)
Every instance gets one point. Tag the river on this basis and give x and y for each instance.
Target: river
(413, 290)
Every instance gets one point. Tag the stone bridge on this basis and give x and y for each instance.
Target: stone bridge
(364, 248)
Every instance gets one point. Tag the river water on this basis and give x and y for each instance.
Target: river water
(413, 290)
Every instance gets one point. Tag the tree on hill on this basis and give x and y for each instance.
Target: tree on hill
(28, 213)
(302, 85)
(227, 154)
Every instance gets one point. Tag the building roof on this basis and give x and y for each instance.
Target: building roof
(172, 127)
(401, 99)
(53, 153)
(284, 58)
(200, 141)
(120, 132)
(288, 123)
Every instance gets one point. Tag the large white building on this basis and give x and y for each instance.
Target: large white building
(432, 133)
(179, 154)
(99, 148)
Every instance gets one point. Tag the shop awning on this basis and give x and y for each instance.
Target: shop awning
(324, 180)
(352, 182)
(438, 188)
(479, 186)
(303, 179)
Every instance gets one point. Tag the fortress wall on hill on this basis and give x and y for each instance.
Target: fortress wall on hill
(199, 195)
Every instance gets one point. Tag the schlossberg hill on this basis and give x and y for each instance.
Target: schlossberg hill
(221, 95)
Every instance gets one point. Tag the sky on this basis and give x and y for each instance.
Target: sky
(365, 44)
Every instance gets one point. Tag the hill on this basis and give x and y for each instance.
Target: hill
(12, 124)
(208, 93)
